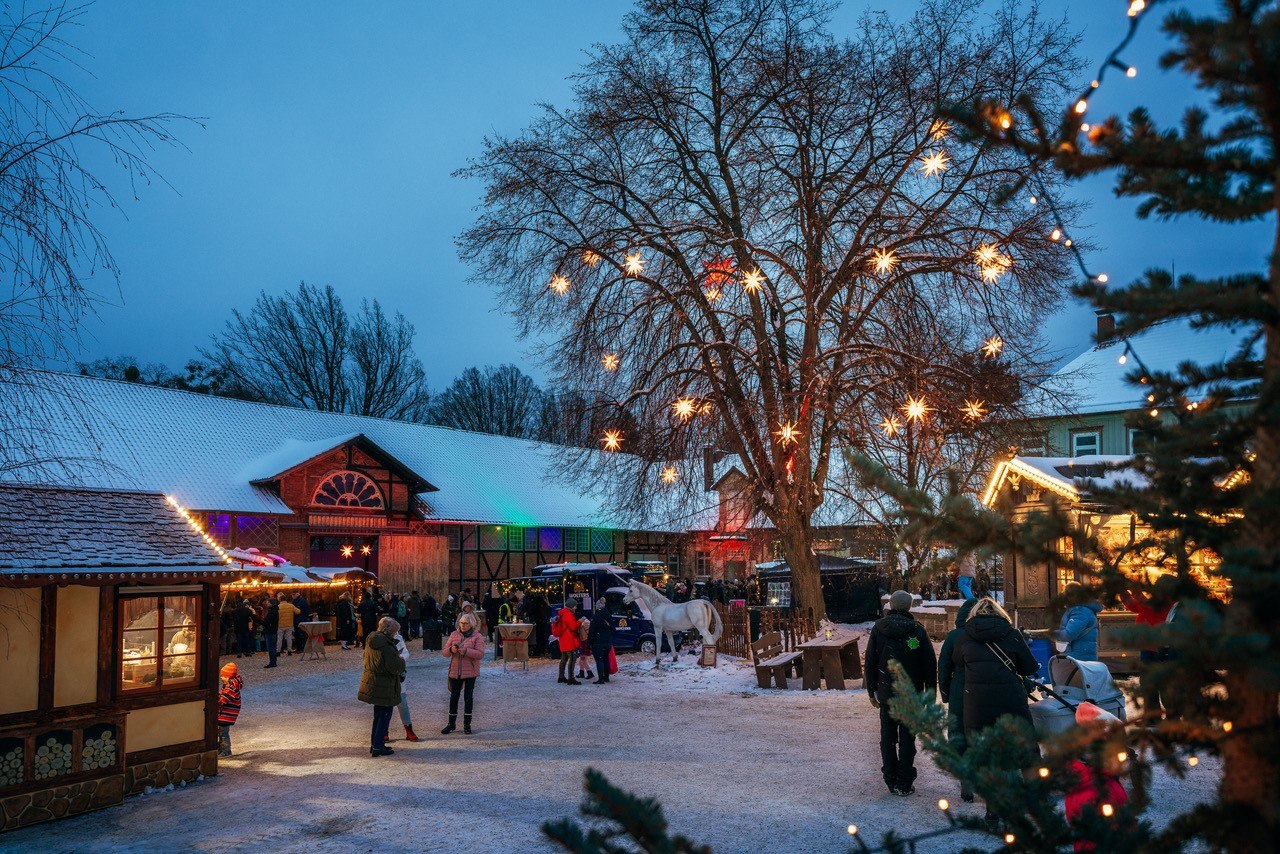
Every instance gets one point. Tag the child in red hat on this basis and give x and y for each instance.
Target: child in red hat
(230, 684)
(1096, 789)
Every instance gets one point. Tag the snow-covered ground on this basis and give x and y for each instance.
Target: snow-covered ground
(736, 767)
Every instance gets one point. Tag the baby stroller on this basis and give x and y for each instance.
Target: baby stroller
(1073, 683)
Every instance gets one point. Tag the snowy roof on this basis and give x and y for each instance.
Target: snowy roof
(204, 450)
(1068, 477)
(1095, 380)
(54, 529)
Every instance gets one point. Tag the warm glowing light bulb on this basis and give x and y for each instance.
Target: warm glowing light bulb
(1044, 773)
(1226, 727)
(1124, 357)
(1131, 72)
(883, 260)
(1136, 7)
(1153, 413)
(1103, 278)
(1084, 127)
(1006, 121)
(612, 440)
(1055, 235)
(1193, 761)
(1108, 810)
(933, 163)
(1009, 839)
(944, 804)
(1081, 106)
(1034, 200)
(634, 264)
(1122, 756)
(559, 284)
(853, 830)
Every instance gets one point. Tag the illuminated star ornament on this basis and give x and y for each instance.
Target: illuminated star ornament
(348, 551)
(992, 346)
(685, 408)
(991, 262)
(634, 264)
(610, 361)
(713, 294)
(559, 284)
(973, 409)
(891, 425)
(787, 433)
(718, 273)
(670, 474)
(612, 440)
(915, 408)
(752, 281)
(590, 257)
(366, 550)
(939, 129)
(932, 164)
(883, 260)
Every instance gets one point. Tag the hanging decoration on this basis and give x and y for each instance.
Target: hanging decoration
(713, 294)
(883, 260)
(891, 425)
(718, 274)
(939, 129)
(787, 433)
(973, 409)
(685, 408)
(670, 474)
(934, 163)
(991, 261)
(590, 257)
(559, 285)
(992, 346)
(612, 440)
(610, 361)
(915, 408)
(752, 281)
(634, 265)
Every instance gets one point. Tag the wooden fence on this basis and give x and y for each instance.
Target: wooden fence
(796, 627)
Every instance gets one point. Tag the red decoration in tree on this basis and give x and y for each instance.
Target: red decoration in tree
(719, 273)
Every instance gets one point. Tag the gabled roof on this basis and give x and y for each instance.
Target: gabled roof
(1068, 477)
(53, 529)
(196, 447)
(1095, 381)
(293, 454)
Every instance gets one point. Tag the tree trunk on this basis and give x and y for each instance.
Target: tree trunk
(806, 582)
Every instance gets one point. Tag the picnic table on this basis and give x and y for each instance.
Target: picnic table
(835, 658)
(515, 643)
(314, 647)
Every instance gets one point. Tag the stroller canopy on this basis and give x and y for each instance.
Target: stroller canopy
(1090, 677)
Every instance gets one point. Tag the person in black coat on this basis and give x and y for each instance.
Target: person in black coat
(600, 639)
(304, 613)
(368, 610)
(898, 637)
(270, 627)
(490, 605)
(242, 622)
(996, 661)
(346, 614)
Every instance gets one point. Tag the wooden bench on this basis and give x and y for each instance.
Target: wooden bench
(773, 662)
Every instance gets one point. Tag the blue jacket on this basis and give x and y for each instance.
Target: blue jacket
(1079, 628)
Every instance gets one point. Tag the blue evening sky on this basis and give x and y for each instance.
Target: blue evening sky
(333, 129)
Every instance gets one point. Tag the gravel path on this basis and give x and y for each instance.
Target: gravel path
(735, 767)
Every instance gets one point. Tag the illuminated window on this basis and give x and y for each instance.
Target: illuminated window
(159, 643)
(348, 489)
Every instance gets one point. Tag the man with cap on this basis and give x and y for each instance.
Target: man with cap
(898, 637)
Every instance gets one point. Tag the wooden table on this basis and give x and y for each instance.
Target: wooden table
(314, 647)
(836, 659)
(515, 643)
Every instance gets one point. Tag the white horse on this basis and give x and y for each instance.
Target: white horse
(669, 618)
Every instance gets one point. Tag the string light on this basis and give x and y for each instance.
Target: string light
(590, 257)
(670, 474)
(198, 528)
(1103, 278)
(1124, 357)
(1055, 235)
(1136, 7)
(932, 164)
(944, 804)
(1153, 413)
(1227, 726)
(1122, 756)
(1044, 773)
(1009, 839)
(634, 264)
(752, 281)
(787, 433)
(559, 284)
(610, 361)
(973, 409)
(852, 830)
(891, 425)
(612, 440)
(883, 260)
(992, 346)
(1193, 761)
(1108, 810)
(915, 408)
(1131, 72)
(684, 408)
(1081, 106)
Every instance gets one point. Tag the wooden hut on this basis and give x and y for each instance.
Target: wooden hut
(108, 649)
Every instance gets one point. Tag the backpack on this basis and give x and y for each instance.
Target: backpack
(400, 610)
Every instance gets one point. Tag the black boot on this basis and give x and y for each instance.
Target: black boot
(466, 724)
(453, 724)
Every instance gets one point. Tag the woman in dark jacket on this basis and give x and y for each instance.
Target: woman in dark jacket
(600, 639)
(951, 686)
(368, 610)
(346, 616)
(995, 661)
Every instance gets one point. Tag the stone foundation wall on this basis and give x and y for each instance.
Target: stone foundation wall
(162, 772)
(58, 801)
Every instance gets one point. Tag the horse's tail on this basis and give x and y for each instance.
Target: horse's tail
(715, 621)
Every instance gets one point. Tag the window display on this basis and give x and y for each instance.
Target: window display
(160, 642)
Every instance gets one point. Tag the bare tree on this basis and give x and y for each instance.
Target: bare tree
(730, 227)
(50, 244)
(504, 401)
(302, 349)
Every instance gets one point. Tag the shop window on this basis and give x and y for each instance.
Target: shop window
(159, 642)
(348, 489)
(602, 542)
(1085, 442)
(257, 532)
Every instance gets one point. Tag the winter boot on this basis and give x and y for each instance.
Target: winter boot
(466, 724)
(453, 724)
(409, 734)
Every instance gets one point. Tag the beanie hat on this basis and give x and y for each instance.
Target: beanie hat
(900, 601)
(229, 669)
(1087, 714)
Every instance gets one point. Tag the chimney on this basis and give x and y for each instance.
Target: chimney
(1106, 325)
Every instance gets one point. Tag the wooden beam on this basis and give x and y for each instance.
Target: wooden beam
(48, 645)
(106, 644)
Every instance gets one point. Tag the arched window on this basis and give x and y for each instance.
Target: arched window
(348, 489)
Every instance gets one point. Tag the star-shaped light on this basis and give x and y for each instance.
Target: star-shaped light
(610, 361)
(670, 474)
(559, 284)
(348, 551)
(685, 408)
(883, 260)
(939, 129)
(973, 409)
(986, 254)
(992, 346)
(932, 164)
(590, 257)
(787, 433)
(713, 294)
(634, 264)
(890, 425)
(752, 281)
(991, 262)
(366, 550)
(915, 408)
(612, 440)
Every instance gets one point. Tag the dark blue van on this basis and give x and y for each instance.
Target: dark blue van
(568, 584)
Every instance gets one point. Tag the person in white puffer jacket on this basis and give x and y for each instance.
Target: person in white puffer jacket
(409, 734)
